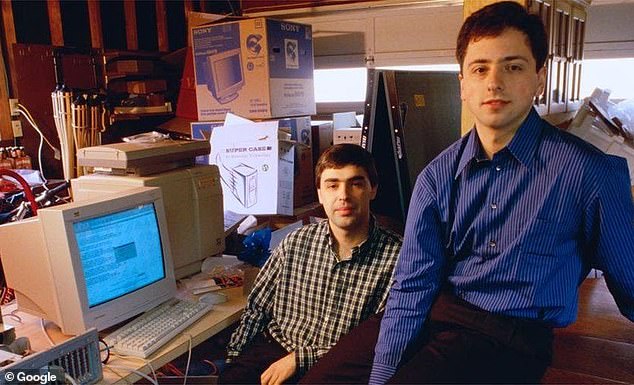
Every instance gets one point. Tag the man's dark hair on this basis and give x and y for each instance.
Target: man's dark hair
(341, 155)
(494, 19)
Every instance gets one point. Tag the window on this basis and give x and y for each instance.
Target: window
(343, 89)
(616, 75)
(340, 85)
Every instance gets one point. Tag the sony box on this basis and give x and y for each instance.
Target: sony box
(256, 68)
(256, 168)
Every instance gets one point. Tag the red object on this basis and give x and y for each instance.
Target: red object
(186, 105)
(25, 186)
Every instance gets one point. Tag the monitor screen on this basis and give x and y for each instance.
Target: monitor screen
(93, 263)
(228, 72)
(119, 252)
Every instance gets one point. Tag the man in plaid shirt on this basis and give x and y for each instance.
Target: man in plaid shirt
(320, 282)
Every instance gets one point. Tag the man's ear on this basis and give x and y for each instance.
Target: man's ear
(541, 81)
(461, 78)
(375, 188)
(319, 196)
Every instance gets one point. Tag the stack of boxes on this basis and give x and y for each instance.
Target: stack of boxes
(258, 69)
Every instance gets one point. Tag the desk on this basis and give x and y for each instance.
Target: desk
(222, 316)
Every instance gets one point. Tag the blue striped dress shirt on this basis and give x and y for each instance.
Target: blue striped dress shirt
(513, 235)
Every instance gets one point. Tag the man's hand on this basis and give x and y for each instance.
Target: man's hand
(280, 371)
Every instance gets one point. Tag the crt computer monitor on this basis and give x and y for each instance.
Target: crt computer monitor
(93, 263)
(226, 75)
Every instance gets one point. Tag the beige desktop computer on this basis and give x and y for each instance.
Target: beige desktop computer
(193, 208)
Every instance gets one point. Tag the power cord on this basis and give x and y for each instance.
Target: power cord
(110, 367)
(50, 341)
(148, 363)
(189, 358)
(105, 349)
(70, 379)
(29, 118)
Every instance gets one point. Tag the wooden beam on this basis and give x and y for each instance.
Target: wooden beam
(94, 17)
(9, 39)
(161, 26)
(189, 6)
(6, 132)
(55, 22)
(132, 39)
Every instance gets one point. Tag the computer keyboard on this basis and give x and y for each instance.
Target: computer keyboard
(153, 329)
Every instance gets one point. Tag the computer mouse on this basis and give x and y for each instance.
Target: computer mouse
(213, 298)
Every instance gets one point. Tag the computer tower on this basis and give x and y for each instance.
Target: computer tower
(244, 184)
(410, 118)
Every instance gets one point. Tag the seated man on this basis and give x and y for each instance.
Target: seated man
(320, 282)
(502, 228)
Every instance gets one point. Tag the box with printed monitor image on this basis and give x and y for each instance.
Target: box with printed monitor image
(256, 68)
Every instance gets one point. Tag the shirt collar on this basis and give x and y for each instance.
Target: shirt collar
(471, 151)
(373, 233)
(522, 146)
(524, 142)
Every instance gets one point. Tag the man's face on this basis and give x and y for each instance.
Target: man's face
(345, 194)
(499, 81)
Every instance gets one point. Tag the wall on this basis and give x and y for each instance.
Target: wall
(610, 32)
(390, 33)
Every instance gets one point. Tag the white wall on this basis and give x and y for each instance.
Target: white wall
(373, 36)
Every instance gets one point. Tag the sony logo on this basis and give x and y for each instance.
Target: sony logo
(289, 27)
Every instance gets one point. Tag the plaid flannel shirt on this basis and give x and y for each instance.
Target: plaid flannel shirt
(308, 299)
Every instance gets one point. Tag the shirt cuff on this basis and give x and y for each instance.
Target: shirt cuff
(381, 373)
(304, 358)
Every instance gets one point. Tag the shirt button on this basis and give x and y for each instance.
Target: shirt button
(498, 168)
(494, 206)
(492, 244)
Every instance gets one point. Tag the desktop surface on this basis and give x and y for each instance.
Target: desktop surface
(222, 316)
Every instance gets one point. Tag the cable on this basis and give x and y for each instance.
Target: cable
(106, 349)
(39, 161)
(148, 363)
(70, 379)
(122, 367)
(189, 358)
(50, 341)
(27, 115)
(14, 316)
(29, 118)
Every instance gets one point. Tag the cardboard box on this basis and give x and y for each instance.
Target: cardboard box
(346, 128)
(256, 68)
(321, 137)
(299, 128)
(304, 191)
(347, 135)
(256, 168)
(202, 131)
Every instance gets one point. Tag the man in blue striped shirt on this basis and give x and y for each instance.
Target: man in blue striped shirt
(503, 226)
